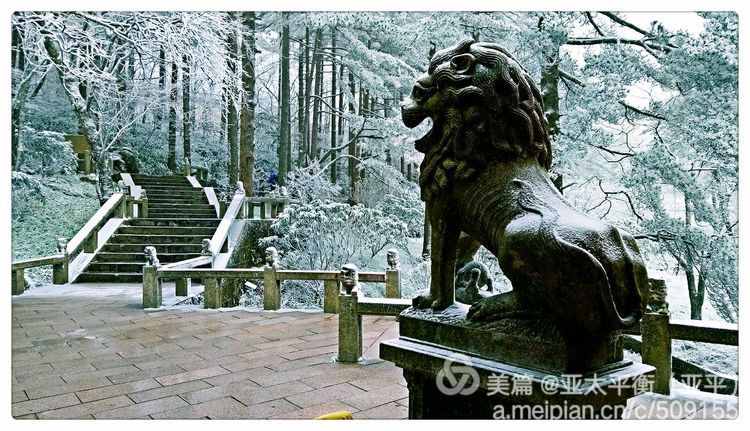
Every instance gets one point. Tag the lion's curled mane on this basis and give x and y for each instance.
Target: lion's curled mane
(493, 112)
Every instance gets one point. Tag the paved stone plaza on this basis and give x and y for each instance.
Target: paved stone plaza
(90, 351)
(83, 351)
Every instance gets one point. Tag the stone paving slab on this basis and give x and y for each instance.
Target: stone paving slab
(92, 352)
(81, 354)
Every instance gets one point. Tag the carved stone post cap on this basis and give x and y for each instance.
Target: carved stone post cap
(151, 257)
(62, 245)
(657, 296)
(272, 256)
(349, 277)
(206, 247)
(240, 189)
(392, 258)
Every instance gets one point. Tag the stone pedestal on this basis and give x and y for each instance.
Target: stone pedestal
(509, 369)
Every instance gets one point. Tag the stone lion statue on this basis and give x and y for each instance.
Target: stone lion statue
(485, 173)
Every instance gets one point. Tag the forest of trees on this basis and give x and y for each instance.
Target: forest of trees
(644, 120)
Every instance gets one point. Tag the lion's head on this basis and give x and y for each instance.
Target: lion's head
(484, 107)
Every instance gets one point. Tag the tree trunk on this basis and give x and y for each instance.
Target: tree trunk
(302, 150)
(159, 115)
(20, 97)
(17, 60)
(86, 122)
(696, 293)
(186, 113)
(550, 94)
(172, 130)
(247, 119)
(232, 123)
(353, 164)
(300, 100)
(334, 143)
(318, 92)
(223, 120)
(285, 138)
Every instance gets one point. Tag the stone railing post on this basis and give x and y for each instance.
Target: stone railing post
(212, 297)
(392, 275)
(60, 270)
(223, 203)
(87, 162)
(143, 208)
(92, 242)
(656, 346)
(350, 321)
(271, 286)
(151, 281)
(17, 281)
(122, 208)
(330, 296)
(240, 190)
(186, 169)
(182, 286)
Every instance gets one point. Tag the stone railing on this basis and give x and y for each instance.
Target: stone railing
(120, 205)
(18, 268)
(271, 274)
(257, 207)
(657, 331)
(218, 242)
(352, 306)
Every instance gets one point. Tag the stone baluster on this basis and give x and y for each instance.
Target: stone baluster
(331, 296)
(122, 208)
(271, 286)
(143, 210)
(151, 281)
(212, 297)
(60, 270)
(18, 281)
(656, 346)
(393, 275)
(350, 321)
(91, 243)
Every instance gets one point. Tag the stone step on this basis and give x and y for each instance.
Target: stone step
(182, 214)
(164, 180)
(169, 194)
(207, 232)
(160, 248)
(150, 177)
(155, 239)
(110, 277)
(209, 209)
(174, 222)
(179, 206)
(141, 258)
(178, 187)
(117, 267)
(178, 200)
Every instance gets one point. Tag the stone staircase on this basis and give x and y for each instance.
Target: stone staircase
(179, 218)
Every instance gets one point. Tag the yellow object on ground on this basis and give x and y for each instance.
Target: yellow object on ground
(336, 415)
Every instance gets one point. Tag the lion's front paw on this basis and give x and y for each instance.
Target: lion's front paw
(422, 301)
